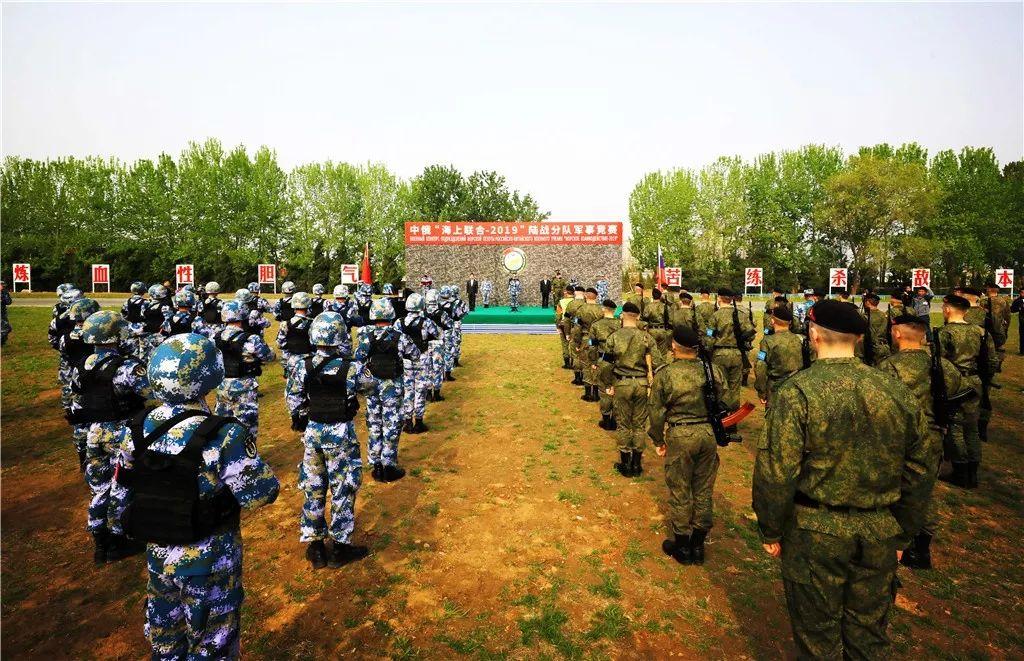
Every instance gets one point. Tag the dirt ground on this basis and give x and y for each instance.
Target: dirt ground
(511, 537)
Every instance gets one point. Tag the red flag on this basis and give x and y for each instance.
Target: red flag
(364, 273)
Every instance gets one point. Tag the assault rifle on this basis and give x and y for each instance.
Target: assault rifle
(983, 360)
(716, 409)
(742, 342)
(869, 343)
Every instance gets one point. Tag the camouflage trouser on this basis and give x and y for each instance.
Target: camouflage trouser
(931, 511)
(415, 384)
(237, 397)
(458, 340)
(64, 379)
(565, 346)
(286, 363)
(630, 403)
(575, 347)
(194, 617)
(384, 422)
(588, 358)
(691, 466)
(605, 380)
(663, 337)
(963, 443)
(330, 459)
(103, 446)
(147, 343)
(839, 591)
(80, 438)
(436, 364)
(731, 362)
(449, 350)
(513, 300)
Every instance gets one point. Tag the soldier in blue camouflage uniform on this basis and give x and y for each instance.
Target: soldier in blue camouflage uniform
(61, 325)
(207, 322)
(416, 374)
(346, 307)
(293, 335)
(244, 355)
(486, 291)
(459, 309)
(183, 319)
(602, 288)
(364, 299)
(132, 312)
(321, 397)
(108, 388)
(254, 321)
(432, 303)
(194, 593)
(73, 352)
(283, 308)
(317, 304)
(258, 302)
(514, 287)
(382, 350)
(154, 313)
(445, 302)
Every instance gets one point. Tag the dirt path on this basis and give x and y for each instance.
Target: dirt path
(512, 536)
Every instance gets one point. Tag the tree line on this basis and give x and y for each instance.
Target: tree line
(226, 211)
(880, 212)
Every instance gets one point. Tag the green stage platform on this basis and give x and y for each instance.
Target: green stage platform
(503, 315)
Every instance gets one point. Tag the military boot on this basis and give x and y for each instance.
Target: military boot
(595, 395)
(577, 379)
(624, 464)
(81, 460)
(565, 363)
(378, 472)
(120, 547)
(316, 554)
(457, 363)
(959, 477)
(697, 545)
(679, 549)
(972, 474)
(613, 424)
(342, 554)
(437, 395)
(636, 464)
(100, 538)
(420, 427)
(918, 554)
(429, 395)
(392, 473)
(983, 430)
(604, 422)
(408, 427)
(448, 376)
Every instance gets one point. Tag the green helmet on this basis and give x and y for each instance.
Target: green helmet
(81, 309)
(382, 310)
(103, 327)
(327, 330)
(301, 300)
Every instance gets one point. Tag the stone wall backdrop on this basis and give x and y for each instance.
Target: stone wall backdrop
(454, 264)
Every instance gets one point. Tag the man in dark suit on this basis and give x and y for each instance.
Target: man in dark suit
(545, 291)
(472, 286)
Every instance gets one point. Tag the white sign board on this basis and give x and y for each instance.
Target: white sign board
(100, 276)
(266, 274)
(753, 277)
(921, 278)
(22, 276)
(1004, 278)
(349, 274)
(837, 279)
(184, 274)
(673, 276)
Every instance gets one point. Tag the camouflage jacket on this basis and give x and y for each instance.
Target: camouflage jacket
(601, 330)
(587, 314)
(914, 369)
(1000, 306)
(843, 434)
(685, 317)
(656, 314)
(677, 396)
(976, 315)
(630, 348)
(705, 310)
(720, 331)
(878, 327)
(961, 345)
(569, 313)
(779, 356)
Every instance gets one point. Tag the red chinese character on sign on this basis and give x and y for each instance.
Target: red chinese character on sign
(838, 278)
(100, 274)
(184, 273)
(1004, 278)
(673, 276)
(349, 273)
(754, 277)
(267, 274)
(21, 272)
(922, 278)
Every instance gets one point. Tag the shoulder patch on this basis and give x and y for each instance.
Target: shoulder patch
(710, 332)
(761, 355)
(767, 331)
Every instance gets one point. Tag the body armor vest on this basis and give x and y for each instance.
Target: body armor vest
(211, 310)
(181, 322)
(384, 361)
(296, 338)
(328, 393)
(133, 309)
(415, 333)
(100, 400)
(235, 365)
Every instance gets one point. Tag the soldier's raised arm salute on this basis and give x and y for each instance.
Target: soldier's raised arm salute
(840, 483)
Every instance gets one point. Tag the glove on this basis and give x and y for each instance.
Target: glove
(299, 422)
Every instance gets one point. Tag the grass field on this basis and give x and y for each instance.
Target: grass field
(511, 537)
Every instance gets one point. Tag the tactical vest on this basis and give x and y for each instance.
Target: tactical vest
(316, 307)
(438, 318)
(100, 400)
(75, 350)
(364, 309)
(181, 322)
(235, 365)
(328, 393)
(285, 311)
(384, 361)
(296, 337)
(165, 506)
(415, 333)
(152, 317)
(133, 310)
(211, 310)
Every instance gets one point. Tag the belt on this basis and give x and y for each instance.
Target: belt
(657, 326)
(726, 347)
(631, 378)
(688, 422)
(806, 501)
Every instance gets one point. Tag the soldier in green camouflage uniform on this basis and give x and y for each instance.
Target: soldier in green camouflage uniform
(600, 331)
(840, 483)
(568, 327)
(683, 314)
(877, 325)
(636, 357)
(586, 315)
(558, 284)
(656, 316)
(961, 343)
(998, 308)
(671, 296)
(780, 355)
(777, 298)
(688, 445)
(565, 297)
(726, 347)
(705, 308)
(912, 365)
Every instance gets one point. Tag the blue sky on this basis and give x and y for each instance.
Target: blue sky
(572, 102)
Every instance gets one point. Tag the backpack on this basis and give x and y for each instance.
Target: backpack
(165, 506)
(384, 362)
(415, 333)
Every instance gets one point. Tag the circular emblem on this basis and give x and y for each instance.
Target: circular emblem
(513, 259)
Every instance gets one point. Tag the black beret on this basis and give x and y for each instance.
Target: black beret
(705, 290)
(725, 291)
(777, 288)
(911, 319)
(842, 292)
(685, 337)
(639, 284)
(591, 290)
(781, 299)
(674, 288)
(838, 316)
(609, 303)
(782, 313)
(958, 302)
(570, 288)
(872, 297)
(819, 292)
(992, 285)
(630, 308)
(686, 296)
(970, 291)
(656, 294)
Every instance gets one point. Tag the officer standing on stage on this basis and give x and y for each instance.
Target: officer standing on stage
(545, 291)
(558, 284)
(486, 291)
(514, 288)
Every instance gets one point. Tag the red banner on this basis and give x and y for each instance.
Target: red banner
(520, 234)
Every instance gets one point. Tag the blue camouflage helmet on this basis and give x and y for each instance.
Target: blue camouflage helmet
(301, 300)
(388, 289)
(152, 291)
(184, 299)
(365, 289)
(213, 287)
(185, 367)
(414, 303)
(233, 311)
(455, 290)
(162, 292)
(188, 287)
(254, 287)
(382, 310)
(341, 291)
(70, 296)
(327, 330)
(104, 327)
(62, 287)
(288, 287)
(138, 287)
(431, 299)
(81, 309)
(244, 295)
(446, 293)
(318, 289)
